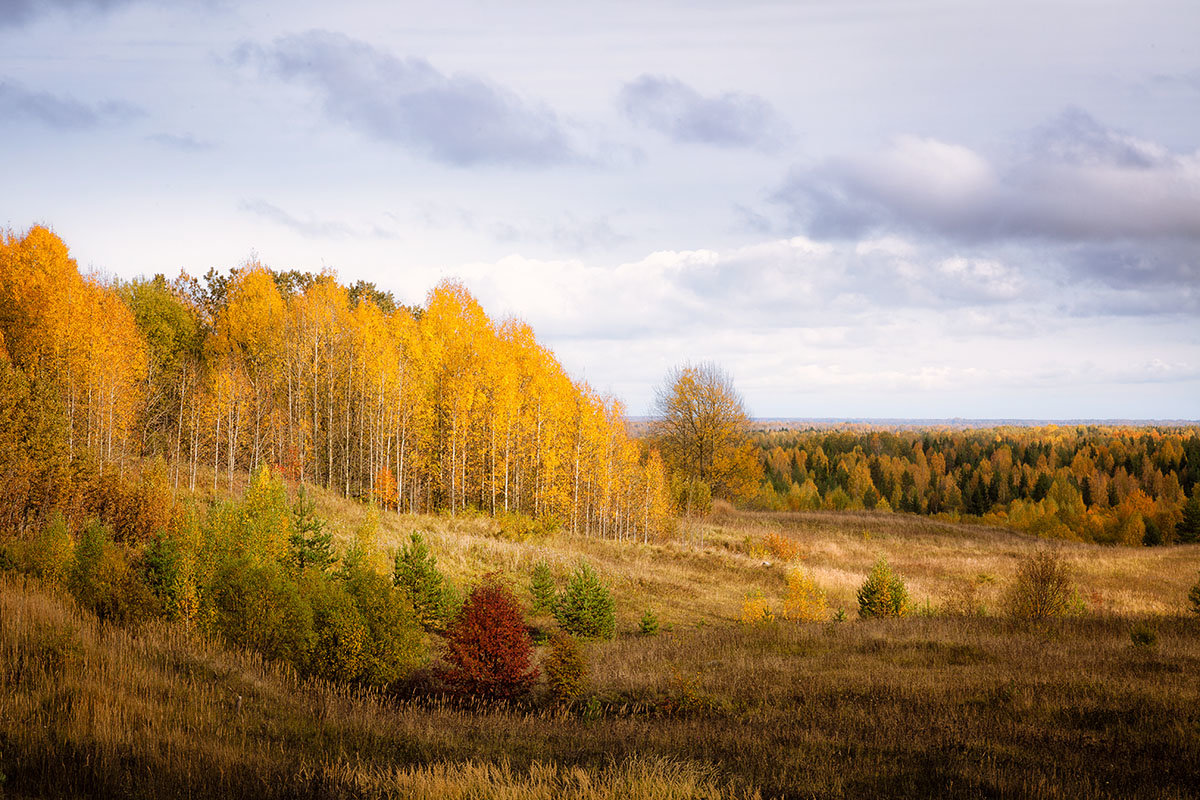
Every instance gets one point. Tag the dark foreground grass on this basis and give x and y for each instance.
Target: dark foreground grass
(921, 707)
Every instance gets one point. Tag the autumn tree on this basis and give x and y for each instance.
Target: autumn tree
(702, 430)
(488, 651)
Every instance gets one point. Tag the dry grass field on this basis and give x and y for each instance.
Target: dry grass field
(704, 574)
(938, 704)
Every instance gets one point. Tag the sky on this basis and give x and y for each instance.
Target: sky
(857, 208)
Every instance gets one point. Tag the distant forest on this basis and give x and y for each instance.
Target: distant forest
(1128, 485)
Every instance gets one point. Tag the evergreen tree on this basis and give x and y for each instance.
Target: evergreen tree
(310, 542)
(417, 575)
(585, 608)
(1188, 529)
(541, 587)
(883, 594)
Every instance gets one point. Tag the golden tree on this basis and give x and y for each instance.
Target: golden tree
(703, 431)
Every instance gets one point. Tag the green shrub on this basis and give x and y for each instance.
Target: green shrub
(488, 651)
(49, 554)
(339, 634)
(417, 576)
(394, 645)
(648, 626)
(102, 580)
(541, 587)
(1042, 589)
(1143, 636)
(1194, 598)
(585, 608)
(163, 572)
(566, 669)
(258, 607)
(883, 594)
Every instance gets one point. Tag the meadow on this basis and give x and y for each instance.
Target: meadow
(954, 700)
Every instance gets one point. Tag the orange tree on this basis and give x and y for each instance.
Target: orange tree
(487, 649)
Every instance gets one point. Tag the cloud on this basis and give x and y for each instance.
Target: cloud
(61, 113)
(773, 285)
(678, 111)
(183, 142)
(14, 13)
(1072, 181)
(311, 227)
(461, 120)
(570, 233)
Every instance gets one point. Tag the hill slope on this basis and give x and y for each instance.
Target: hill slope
(953, 706)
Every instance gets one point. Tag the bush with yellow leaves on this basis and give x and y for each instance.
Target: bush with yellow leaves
(805, 601)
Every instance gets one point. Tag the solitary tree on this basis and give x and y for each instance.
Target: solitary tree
(703, 433)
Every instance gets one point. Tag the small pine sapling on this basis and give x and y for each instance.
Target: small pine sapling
(311, 543)
(1194, 598)
(416, 574)
(649, 623)
(542, 588)
(585, 608)
(883, 593)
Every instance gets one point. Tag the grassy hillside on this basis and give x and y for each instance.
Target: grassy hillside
(929, 705)
(704, 574)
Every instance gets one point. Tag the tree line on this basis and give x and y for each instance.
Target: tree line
(1129, 485)
(421, 409)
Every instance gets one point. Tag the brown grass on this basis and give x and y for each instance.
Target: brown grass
(944, 705)
(704, 575)
(91, 710)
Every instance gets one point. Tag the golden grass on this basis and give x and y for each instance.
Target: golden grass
(704, 575)
(91, 710)
(919, 707)
(947, 705)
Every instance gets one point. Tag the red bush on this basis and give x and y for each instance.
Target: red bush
(488, 650)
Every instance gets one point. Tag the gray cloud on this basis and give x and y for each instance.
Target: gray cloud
(184, 142)
(1188, 81)
(1072, 181)
(1075, 138)
(19, 12)
(678, 111)
(62, 113)
(311, 227)
(569, 233)
(460, 120)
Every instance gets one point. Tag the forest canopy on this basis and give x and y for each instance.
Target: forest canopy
(1126, 485)
(420, 409)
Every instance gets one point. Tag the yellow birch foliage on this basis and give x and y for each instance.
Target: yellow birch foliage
(756, 608)
(805, 601)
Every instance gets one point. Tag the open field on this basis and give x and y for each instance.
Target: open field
(705, 573)
(937, 705)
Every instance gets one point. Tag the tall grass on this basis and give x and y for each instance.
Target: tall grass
(91, 710)
(966, 702)
(938, 706)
